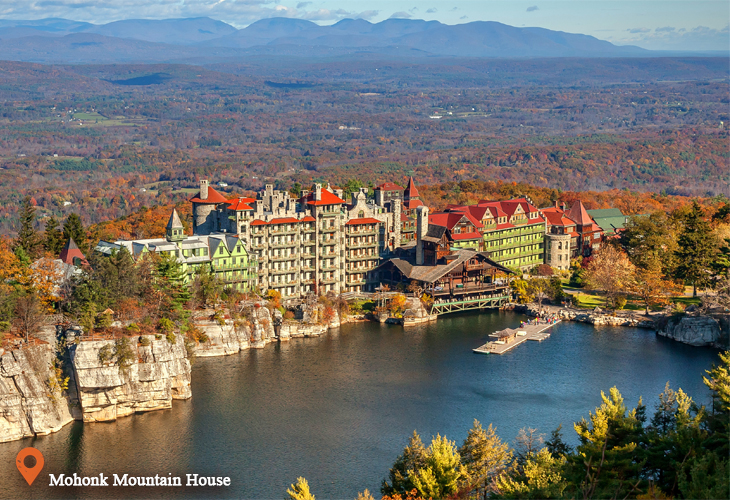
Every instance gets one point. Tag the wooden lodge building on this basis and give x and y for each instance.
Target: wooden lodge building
(437, 267)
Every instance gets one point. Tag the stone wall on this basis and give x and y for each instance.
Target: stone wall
(30, 402)
(104, 392)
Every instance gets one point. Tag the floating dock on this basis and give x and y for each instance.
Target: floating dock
(513, 338)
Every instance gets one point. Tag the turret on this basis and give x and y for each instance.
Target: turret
(174, 230)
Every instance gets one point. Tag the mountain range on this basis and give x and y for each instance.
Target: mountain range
(204, 39)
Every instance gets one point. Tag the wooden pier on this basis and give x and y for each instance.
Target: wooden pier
(505, 340)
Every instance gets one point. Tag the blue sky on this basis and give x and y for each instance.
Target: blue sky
(665, 24)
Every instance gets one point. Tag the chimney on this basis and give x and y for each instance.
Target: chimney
(421, 230)
(318, 192)
(395, 206)
(204, 189)
(564, 206)
(556, 204)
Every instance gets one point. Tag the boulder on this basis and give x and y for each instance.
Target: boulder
(692, 330)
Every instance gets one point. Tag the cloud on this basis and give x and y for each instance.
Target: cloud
(699, 38)
(638, 30)
(400, 15)
(532, 9)
(464, 17)
(455, 8)
(431, 11)
(413, 10)
(367, 14)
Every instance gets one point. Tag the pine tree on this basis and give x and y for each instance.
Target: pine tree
(28, 238)
(442, 472)
(697, 248)
(556, 446)
(413, 458)
(485, 456)
(74, 228)
(300, 490)
(53, 237)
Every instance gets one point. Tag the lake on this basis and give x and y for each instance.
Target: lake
(338, 409)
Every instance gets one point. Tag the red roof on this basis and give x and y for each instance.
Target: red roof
(451, 219)
(365, 220)
(284, 220)
(411, 191)
(309, 218)
(466, 236)
(240, 204)
(70, 252)
(259, 222)
(411, 204)
(214, 197)
(556, 217)
(578, 214)
(404, 217)
(389, 186)
(327, 199)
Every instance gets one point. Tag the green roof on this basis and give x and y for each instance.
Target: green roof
(605, 212)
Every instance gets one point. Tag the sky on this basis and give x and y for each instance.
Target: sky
(651, 24)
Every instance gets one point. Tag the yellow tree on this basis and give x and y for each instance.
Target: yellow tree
(611, 271)
(651, 286)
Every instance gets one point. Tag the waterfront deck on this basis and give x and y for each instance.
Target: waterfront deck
(532, 332)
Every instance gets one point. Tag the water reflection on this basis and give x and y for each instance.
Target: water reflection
(339, 408)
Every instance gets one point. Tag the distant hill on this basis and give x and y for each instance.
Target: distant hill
(189, 40)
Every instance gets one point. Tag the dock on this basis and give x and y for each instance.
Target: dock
(505, 340)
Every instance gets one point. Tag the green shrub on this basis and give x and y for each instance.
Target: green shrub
(123, 353)
(166, 326)
(4, 326)
(171, 338)
(144, 341)
(105, 354)
(133, 327)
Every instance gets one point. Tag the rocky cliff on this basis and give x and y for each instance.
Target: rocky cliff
(31, 401)
(228, 337)
(697, 330)
(159, 373)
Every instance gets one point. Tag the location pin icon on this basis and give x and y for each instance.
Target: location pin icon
(29, 462)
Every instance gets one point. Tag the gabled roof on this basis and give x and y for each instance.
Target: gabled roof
(430, 274)
(237, 204)
(388, 186)
(411, 204)
(70, 252)
(174, 222)
(214, 197)
(579, 214)
(451, 219)
(435, 233)
(556, 217)
(309, 218)
(327, 199)
(365, 220)
(259, 222)
(411, 190)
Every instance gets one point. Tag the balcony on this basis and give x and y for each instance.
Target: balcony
(362, 244)
(284, 257)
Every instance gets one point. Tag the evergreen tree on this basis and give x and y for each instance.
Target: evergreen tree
(74, 228)
(116, 275)
(413, 458)
(609, 460)
(170, 285)
(556, 446)
(442, 472)
(697, 248)
(539, 477)
(300, 490)
(485, 456)
(28, 238)
(53, 237)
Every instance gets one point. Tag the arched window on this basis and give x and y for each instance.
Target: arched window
(560, 245)
(360, 214)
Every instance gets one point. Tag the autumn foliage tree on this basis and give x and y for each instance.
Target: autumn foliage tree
(611, 271)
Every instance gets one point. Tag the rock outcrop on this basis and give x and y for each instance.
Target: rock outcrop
(159, 373)
(31, 402)
(416, 313)
(697, 330)
(228, 337)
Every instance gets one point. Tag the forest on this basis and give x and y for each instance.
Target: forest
(105, 141)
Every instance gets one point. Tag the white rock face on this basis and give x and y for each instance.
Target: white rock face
(30, 404)
(693, 330)
(160, 374)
